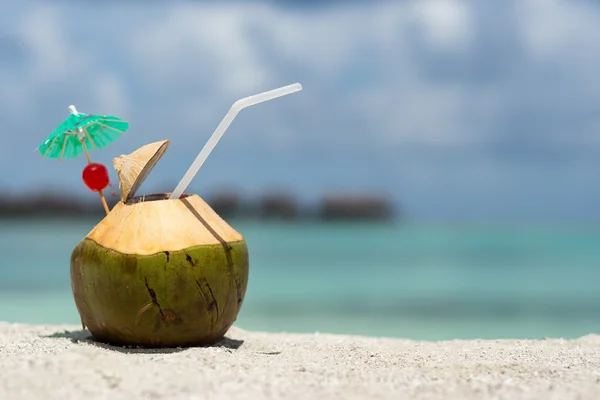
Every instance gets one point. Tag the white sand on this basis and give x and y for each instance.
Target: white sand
(42, 362)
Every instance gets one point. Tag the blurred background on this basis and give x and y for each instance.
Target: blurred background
(436, 178)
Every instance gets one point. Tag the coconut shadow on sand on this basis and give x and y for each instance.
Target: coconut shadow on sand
(84, 336)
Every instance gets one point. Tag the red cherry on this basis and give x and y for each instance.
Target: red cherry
(95, 177)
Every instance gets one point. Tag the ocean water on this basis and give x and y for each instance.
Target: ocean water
(419, 280)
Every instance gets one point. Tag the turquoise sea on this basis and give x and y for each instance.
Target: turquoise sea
(417, 280)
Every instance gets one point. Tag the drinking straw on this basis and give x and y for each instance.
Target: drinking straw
(218, 133)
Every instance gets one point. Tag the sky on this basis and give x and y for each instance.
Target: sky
(454, 109)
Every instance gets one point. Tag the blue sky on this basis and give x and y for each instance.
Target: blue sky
(482, 109)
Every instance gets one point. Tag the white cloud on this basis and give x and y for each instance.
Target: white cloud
(54, 56)
(447, 23)
(556, 28)
(110, 95)
(201, 42)
(193, 51)
(372, 82)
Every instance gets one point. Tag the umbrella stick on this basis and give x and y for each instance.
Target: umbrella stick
(87, 155)
(102, 199)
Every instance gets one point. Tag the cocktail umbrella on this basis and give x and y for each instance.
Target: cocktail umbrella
(78, 133)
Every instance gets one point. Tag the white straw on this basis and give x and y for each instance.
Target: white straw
(218, 133)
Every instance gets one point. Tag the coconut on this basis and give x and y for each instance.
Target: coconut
(157, 272)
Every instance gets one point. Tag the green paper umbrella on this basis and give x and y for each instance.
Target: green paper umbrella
(79, 132)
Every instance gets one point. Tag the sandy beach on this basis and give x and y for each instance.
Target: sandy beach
(63, 362)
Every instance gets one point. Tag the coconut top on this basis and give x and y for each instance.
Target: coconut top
(132, 169)
(150, 227)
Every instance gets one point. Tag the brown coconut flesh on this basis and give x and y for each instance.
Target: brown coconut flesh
(160, 273)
